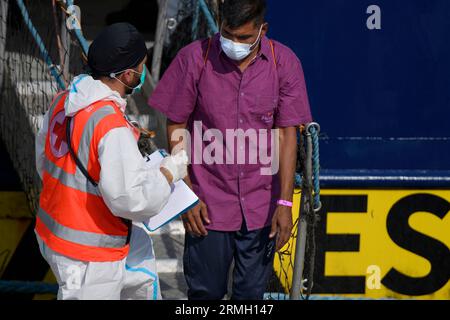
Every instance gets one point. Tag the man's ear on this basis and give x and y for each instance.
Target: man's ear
(127, 76)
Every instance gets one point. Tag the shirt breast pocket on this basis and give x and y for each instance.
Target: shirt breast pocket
(264, 110)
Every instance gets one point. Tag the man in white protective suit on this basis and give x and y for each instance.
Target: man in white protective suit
(97, 190)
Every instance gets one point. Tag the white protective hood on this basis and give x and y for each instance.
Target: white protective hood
(85, 90)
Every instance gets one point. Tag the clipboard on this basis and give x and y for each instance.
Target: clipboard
(181, 200)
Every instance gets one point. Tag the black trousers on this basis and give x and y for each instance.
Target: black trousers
(207, 261)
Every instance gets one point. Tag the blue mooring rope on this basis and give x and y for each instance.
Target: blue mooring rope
(27, 287)
(313, 130)
(201, 5)
(79, 34)
(40, 43)
(195, 16)
(209, 18)
(315, 165)
(298, 180)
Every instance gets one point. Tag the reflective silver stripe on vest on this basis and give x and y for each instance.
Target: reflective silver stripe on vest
(78, 181)
(81, 237)
(55, 103)
(86, 137)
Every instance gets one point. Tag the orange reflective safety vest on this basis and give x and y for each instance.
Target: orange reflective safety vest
(73, 219)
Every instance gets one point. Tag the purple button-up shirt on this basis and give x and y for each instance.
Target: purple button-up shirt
(270, 93)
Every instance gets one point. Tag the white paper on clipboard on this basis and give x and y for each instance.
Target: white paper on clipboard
(181, 200)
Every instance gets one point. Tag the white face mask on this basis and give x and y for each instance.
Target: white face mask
(236, 50)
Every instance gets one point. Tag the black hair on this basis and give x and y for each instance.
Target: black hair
(236, 13)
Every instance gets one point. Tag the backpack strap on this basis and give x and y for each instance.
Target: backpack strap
(273, 53)
(74, 156)
(205, 58)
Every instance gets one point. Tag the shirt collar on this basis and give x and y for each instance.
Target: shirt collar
(265, 51)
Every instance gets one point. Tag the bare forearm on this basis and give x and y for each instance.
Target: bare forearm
(172, 137)
(288, 160)
(175, 140)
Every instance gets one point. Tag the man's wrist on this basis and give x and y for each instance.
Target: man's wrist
(167, 174)
(187, 180)
(284, 203)
(286, 194)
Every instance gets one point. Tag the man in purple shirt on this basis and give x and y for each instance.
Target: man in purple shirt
(238, 86)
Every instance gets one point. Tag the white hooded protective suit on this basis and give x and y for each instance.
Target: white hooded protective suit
(130, 190)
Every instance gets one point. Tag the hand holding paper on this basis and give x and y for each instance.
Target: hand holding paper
(176, 165)
(182, 198)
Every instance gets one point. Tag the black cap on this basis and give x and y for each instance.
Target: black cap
(118, 47)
